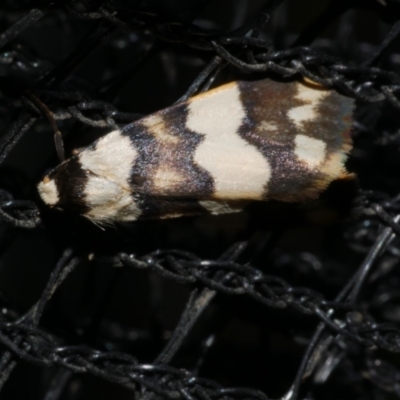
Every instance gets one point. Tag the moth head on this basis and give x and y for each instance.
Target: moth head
(98, 196)
(48, 191)
(63, 187)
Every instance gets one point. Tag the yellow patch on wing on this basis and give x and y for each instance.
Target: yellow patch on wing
(156, 126)
(166, 178)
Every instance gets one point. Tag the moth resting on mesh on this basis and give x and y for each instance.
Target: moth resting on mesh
(215, 153)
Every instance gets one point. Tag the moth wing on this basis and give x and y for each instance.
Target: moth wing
(240, 142)
(245, 141)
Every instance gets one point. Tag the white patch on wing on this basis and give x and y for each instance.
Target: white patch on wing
(112, 158)
(218, 207)
(107, 190)
(302, 114)
(173, 215)
(238, 168)
(48, 191)
(109, 202)
(309, 150)
(306, 112)
(267, 126)
(100, 192)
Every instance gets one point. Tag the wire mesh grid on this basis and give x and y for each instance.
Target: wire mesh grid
(288, 302)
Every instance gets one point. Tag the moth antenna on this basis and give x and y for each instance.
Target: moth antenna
(59, 143)
(58, 140)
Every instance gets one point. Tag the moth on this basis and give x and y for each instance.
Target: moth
(237, 143)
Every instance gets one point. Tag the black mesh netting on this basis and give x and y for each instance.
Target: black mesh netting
(284, 301)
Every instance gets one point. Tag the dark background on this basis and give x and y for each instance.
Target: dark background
(139, 57)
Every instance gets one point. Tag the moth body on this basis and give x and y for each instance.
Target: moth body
(241, 142)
